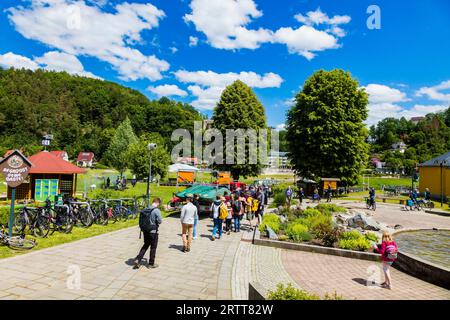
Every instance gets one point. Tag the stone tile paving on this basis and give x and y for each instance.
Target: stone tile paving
(321, 274)
(103, 262)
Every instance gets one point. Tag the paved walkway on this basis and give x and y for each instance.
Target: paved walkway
(105, 273)
(321, 274)
(212, 270)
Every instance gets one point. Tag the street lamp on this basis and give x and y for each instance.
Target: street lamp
(150, 147)
(441, 164)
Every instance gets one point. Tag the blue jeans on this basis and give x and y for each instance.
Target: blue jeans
(194, 232)
(237, 223)
(217, 227)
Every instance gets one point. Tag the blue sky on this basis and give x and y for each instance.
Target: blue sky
(191, 49)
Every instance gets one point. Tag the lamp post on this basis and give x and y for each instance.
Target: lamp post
(150, 147)
(441, 165)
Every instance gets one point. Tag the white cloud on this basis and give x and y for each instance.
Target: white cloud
(223, 22)
(10, 59)
(78, 28)
(59, 61)
(383, 103)
(281, 126)
(173, 49)
(226, 26)
(52, 61)
(193, 41)
(213, 79)
(318, 17)
(167, 90)
(207, 86)
(305, 40)
(435, 93)
(379, 93)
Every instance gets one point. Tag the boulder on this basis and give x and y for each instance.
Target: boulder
(340, 219)
(362, 221)
(283, 218)
(398, 226)
(271, 234)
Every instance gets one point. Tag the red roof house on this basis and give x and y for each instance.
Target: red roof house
(49, 175)
(60, 153)
(85, 159)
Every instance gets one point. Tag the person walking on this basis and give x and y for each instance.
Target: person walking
(329, 193)
(249, 210)
(288, 194)
(196, 203)
(133, 181)
(229, 219)
(301, 195)
(188, 216)
(260, 210)
(108, 183)
(216, 213)
(238, 211)
(388, 250)
(149, 221)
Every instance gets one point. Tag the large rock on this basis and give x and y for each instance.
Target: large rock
(362, 221)
(283, 218)
(271, 234)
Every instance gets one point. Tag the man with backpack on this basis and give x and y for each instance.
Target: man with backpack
(219, 212)
(149, 221)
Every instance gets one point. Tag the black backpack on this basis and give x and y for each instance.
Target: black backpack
(237, 204)
(144, 220)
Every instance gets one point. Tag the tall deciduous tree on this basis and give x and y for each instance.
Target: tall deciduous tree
(117, 153)
(239, 108)
(138, 156)
(326, 134)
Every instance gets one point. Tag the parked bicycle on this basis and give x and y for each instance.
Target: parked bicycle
(60, 217)
(16, 242)
(35, 219)
(371, 204)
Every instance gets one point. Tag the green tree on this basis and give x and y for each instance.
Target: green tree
(326, 134)
(138, 156)
(239, 108)
(117, 153)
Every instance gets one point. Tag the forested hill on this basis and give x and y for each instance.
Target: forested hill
(81, 113)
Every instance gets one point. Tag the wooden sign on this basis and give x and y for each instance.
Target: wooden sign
(15, 168)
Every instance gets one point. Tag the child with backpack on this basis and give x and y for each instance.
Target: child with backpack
(249, 210)
(229, 218)
(388, 250)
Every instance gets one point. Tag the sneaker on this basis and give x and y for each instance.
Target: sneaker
(213, 238)
(194, 238)
(188, 249)
(228, 232)
(136, 265)
(184, 249)
(153, 266)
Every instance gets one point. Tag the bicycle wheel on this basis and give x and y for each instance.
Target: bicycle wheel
(19, 243)
(20, 223)
(41, 227)
(86, 217)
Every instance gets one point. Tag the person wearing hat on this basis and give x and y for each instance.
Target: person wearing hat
(188, 215)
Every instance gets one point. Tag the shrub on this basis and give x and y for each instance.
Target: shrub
(324, 207)
(310, 212)
(283, 237)
(371, 236)
(327, 234)
(361, 244)
(290, 293)
(271, 220)
(279, 199)
(351, 235)
(298, 232)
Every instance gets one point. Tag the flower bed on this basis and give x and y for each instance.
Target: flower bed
(316, 226)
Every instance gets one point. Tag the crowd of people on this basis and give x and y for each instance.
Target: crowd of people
(227, 212)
